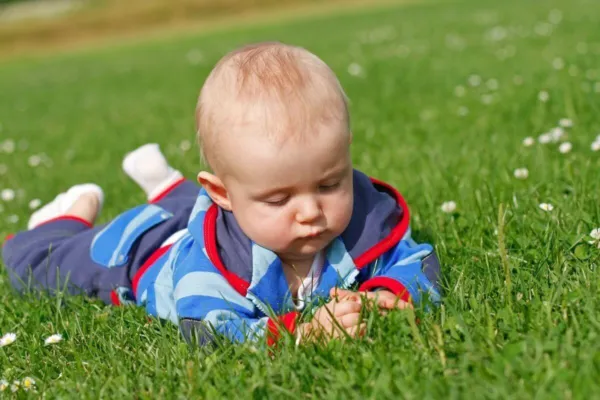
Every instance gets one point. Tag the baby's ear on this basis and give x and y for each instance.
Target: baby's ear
(215, 189)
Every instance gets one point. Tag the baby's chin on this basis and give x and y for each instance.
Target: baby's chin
(306, 249)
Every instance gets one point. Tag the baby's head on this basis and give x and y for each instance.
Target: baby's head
(273, 126)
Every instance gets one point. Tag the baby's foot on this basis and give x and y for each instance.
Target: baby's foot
(86, 207)
(63, 203)
(148, 167)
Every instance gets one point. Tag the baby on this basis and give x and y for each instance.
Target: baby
(281, 221)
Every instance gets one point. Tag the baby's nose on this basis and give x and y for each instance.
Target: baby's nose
(309, 211)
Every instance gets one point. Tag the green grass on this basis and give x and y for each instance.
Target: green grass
(537, 337)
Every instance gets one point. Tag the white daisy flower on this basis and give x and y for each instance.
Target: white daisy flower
(519, 296)
(595, 234)
(15, 386)
(558, 63)
(28, 383)
(8, 146)
(3, 385)
(354, 69)
(448, 207)
(460, 91)
(487, 99)
(34, 160)
(185, 145)
(35, 203)
(545, 138)
(492, 84)
(543, 96)
(7, 194)
(194, 56)
(12, 219)
(53, 339)
(544, 29)
(474, 80)
(565, 122)
(7, 339)
(565, 147)
(556, 134)
(595, 146)
(521, 173)
(555, 16)
(463, 111)
(546, 206)
(528, 141)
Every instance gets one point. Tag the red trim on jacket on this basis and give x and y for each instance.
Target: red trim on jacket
(114, 298)
(210, 241)
(286, 321)
(390, 284)
(147, 264)
(7, 238)
(67, 218)
(165, 192)
(395, 235)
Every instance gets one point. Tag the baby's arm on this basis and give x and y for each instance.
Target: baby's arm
(207, 303)
(408, 270)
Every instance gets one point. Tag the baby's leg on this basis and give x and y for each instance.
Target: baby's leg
(55, 253)
(148, 167)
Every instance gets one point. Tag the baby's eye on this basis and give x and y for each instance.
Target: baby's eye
(330, 187)
(278, 202)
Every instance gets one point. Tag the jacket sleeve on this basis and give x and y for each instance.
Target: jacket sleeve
(409, 270)
(208, 305)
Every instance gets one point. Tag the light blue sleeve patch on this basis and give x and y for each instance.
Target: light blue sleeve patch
(112, 245)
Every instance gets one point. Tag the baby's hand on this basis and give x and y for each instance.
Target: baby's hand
(383, 299)
(337, 318)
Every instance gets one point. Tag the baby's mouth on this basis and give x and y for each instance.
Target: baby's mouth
(313, 235)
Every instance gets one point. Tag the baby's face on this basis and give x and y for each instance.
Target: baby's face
(293, 199)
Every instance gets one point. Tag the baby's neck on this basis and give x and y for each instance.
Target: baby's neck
(296, 271)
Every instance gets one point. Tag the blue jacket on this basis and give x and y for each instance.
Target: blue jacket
(215, 273)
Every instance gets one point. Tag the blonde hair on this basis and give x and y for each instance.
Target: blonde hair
(293, 88)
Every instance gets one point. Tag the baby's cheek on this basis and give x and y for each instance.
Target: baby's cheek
(340, 212)
(269, 232)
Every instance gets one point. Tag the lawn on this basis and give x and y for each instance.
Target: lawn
(442, 97)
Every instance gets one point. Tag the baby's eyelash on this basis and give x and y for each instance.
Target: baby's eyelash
(329, 187)
(278, 202)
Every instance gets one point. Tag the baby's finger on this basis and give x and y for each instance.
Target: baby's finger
(350, 320)
(403, 305)
(345, 307)
(358, 331)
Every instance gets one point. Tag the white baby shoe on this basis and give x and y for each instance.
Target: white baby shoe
(148, 167)
(63, 202)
